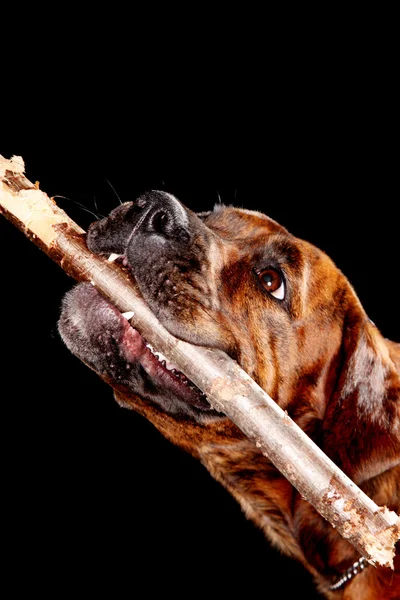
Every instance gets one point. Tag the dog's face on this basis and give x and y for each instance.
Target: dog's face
(236, 280)
(232, 279)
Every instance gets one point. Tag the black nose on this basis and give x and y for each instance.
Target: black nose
(162, 214)
(153, 213)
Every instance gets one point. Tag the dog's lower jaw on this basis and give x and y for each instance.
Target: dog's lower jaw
(102, 338)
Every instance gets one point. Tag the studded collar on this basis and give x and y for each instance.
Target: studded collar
(349, 574)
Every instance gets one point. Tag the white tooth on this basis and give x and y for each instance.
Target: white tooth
(128, 315)
(160, 356)
(113, 257)
(171, 366)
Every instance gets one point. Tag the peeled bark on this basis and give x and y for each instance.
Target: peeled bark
(373, 530)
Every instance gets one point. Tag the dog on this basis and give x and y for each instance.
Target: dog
(236, 280)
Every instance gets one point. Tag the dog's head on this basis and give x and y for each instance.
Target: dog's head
(231, 278)
(237, 280)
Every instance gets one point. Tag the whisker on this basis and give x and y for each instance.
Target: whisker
(114, 190)
(81, 206)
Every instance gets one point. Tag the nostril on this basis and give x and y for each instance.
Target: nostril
(161, 214)
(159, 222)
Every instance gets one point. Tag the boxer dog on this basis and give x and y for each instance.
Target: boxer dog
(236, 280)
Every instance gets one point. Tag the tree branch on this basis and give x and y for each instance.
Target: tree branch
(372, 530)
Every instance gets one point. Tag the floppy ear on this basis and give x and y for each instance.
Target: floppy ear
(362, 421)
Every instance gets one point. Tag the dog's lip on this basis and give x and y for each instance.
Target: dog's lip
(164, 374)
(156, 367)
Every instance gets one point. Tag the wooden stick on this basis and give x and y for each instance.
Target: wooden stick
(371, 529)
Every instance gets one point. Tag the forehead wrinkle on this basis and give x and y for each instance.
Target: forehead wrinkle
(280, 247)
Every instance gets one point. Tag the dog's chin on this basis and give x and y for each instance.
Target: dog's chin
(164, 375)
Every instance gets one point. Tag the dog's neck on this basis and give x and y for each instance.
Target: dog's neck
(349, 574)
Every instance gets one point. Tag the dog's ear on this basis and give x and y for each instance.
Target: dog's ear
(362, 421)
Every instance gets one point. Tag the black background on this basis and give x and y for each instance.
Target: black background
(96, 499)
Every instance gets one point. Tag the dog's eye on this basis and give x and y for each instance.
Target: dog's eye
(272, 281)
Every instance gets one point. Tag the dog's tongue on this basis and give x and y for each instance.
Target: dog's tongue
(158, 367)
(132, 342)
(135, 346)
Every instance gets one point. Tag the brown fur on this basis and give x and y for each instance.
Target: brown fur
(320, 358)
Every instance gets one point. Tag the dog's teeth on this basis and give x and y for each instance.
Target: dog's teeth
(113, 257)
(163, 360)
(128, 315)
(161, 357)
(171, 366)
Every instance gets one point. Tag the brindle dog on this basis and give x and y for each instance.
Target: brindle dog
(236, 280)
